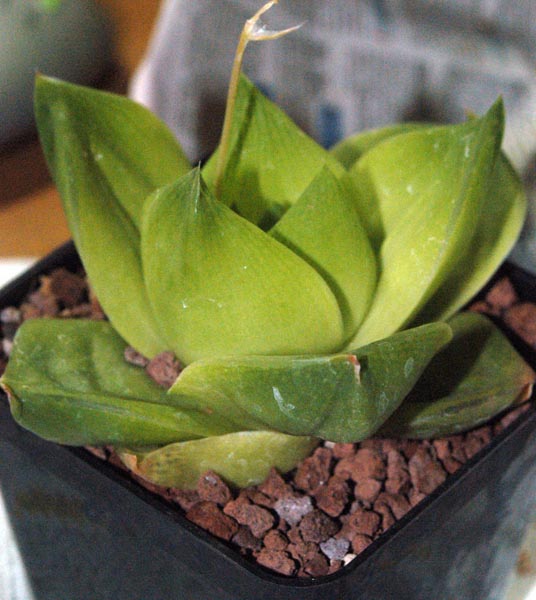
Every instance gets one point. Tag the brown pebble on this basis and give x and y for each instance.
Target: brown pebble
(333, 497)
(442, 448)
(29, 311)
(334, 566)
(473, 445)
(294, 535)
(397, 503)
(386, 515)
(301, 551)
(66, 287)
(365, 464)
(451, 465)
(246, 540)
(481, 307)
(316, 565)
(513, 415)
(257, 497)
(389, 445)
(398, 480)
(522, 319)
(456, 443)
(360, 542)
(317, 527)
(277, 561)
(409, 447)
(415, 497)
(275, 540)
(361, 521)
(80, 311)
(374, 444)
(314, 471)
(44, 300)
(502, 295)
(164, 368)
(274, 486)
(184, 498)
(367, 490)
(212, 488)
(426, 472)
(343, 450)
(97, 313)
(210, 517)
(258, 519)
(133, 357)
(483, 433)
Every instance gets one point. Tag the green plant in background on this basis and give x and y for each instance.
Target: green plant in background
(306, 291)
(50, 5)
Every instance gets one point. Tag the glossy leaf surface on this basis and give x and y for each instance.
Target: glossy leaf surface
(242, 459)
(324, 228)
(68, 382)
(106, 155)
(500, 223)
(478, 375)
(221, 286)
(427, 190)
(343, 397)
(271, 160)
(349, 150)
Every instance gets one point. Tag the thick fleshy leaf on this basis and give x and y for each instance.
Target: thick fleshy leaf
(271, 160)
(501, 219)
(344, 397)
(478, 375)
(349, 150)
(500, 223)
(221, 286)
(133, 150)
(427, 189)
(323, 227)
(68, 382)
(106, 155)
(242, 459)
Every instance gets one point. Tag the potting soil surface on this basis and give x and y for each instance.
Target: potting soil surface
(318, 518)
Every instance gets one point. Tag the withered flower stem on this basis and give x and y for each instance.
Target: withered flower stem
(254, 31)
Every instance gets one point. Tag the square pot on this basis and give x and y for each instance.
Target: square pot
(85, 530)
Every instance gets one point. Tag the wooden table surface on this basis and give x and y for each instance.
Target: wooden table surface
(31, 218)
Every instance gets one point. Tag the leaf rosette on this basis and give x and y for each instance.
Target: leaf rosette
(304, 290)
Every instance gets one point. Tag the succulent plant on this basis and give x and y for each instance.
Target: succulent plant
(306, 291)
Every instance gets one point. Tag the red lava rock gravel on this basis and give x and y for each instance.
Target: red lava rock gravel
(339, 500)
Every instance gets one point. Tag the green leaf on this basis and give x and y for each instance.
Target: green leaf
(478, 375)
(67, 381)
(106, 155)
(344, 397)
(242, 459)
(221, 286)
(323, 228)
(501, 219)
(271, 160)
(500, 223)
(349, 150)
(427, 189)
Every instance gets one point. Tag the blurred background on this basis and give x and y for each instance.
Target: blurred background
(31, 219)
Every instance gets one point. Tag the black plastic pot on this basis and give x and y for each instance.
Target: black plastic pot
(85, 530)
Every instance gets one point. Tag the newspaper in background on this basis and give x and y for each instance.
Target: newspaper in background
(356, 64)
